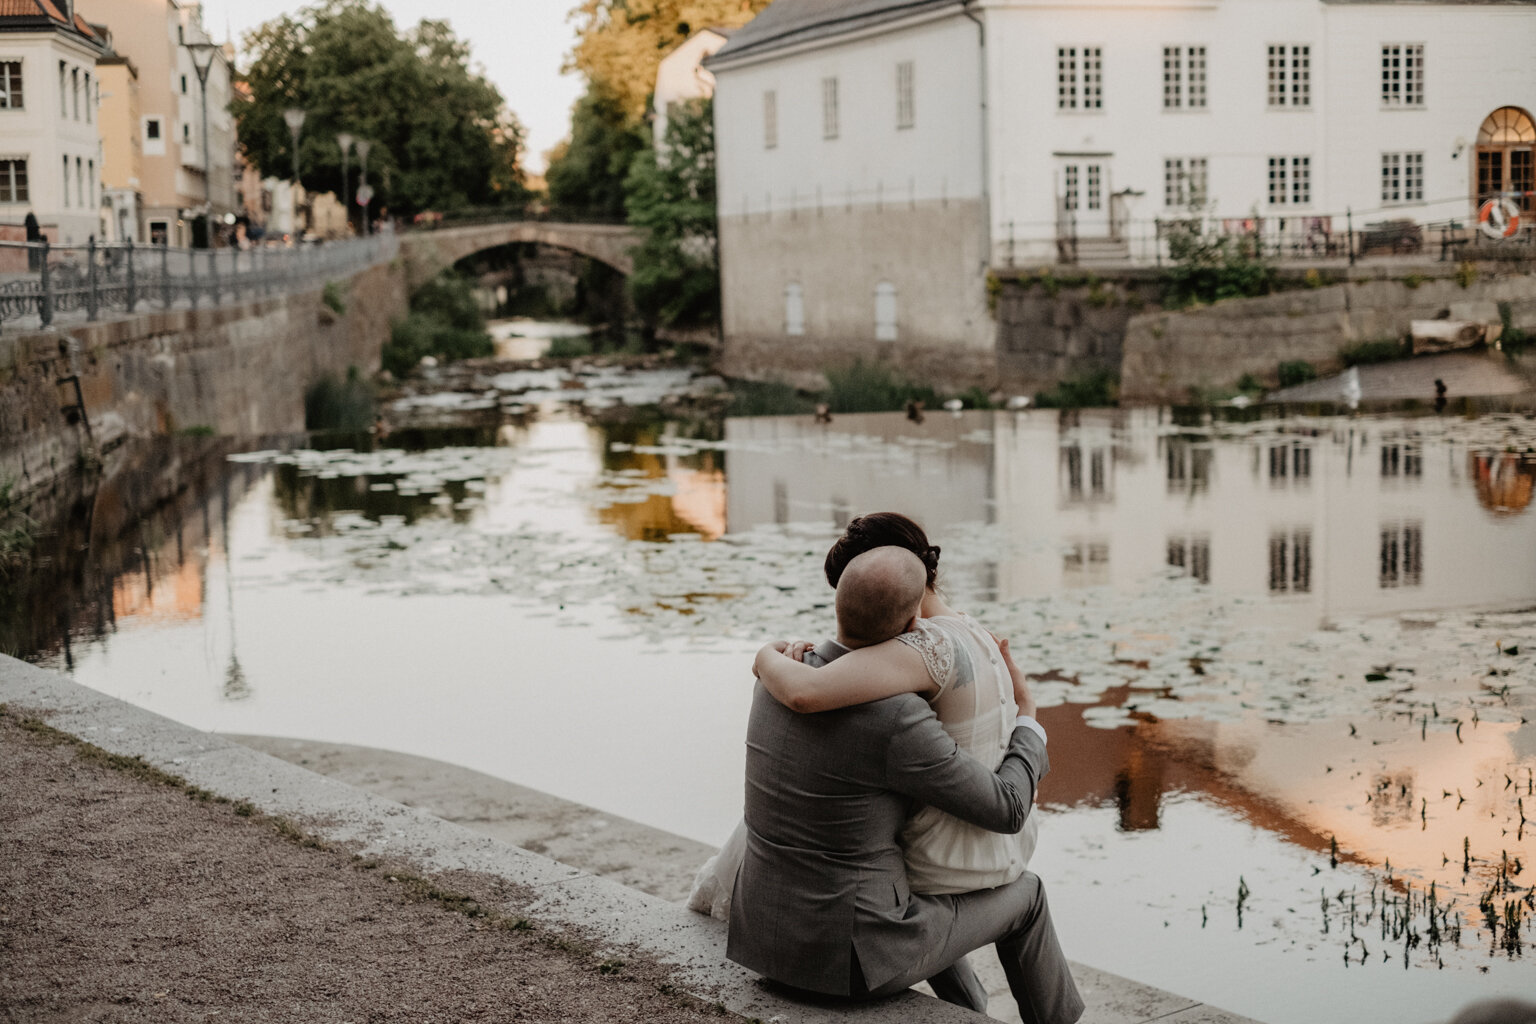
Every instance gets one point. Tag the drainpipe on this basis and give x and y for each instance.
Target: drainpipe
(986, 169)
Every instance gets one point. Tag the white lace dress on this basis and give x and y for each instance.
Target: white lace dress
(944, 854)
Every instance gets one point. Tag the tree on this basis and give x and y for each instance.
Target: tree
(620, 43)
(671, 199)
(586, 178)
(442, 137)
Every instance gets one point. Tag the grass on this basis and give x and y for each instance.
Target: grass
(332, 297)
(1296, 371)
(1092, 389)
(1382, 350)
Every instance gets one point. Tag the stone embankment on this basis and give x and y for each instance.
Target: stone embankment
(236, 369)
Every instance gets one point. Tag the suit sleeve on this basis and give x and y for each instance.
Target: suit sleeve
(925, 764)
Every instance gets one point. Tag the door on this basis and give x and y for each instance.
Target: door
(1506, 159)
(1082, 197)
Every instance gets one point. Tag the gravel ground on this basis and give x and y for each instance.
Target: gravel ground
(126, 897)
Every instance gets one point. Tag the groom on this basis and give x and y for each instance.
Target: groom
(822, 902)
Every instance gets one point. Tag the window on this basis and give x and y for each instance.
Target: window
(186, 134)
(1192, 554)
(1069, 195)
(829, 108)
(88, 103)
(63, 91)
(13, 181)
(80, 196)
(66, 181)
(794, 310)
(152, 129)
(770, 119)
(1183, 77)
(90, 181)
(905, 112)
(1402, 177)
(1080, 78)
(1402, 75)
(1290, 562)
(1402, 555)
(1083, 187)
(1184, 181)
(1095, 188)
(1401, 460)
(1290, 180)
(1290, 76)
(10, 85)
(1289, 461)
(74, 90)
(885, 311)
(183, 85)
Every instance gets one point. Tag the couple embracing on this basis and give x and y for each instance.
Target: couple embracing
(891, 775)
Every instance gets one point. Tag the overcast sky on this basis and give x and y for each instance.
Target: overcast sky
(520, 43)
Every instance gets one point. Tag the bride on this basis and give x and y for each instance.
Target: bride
(966, 674)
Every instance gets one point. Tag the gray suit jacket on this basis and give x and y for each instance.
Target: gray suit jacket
(823, 879)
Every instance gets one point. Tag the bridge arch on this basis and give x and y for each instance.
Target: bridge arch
(427, 252)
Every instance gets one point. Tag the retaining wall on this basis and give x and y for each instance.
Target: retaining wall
(239, 369)
(1168, 356)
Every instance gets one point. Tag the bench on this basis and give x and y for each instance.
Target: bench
(1395, 236)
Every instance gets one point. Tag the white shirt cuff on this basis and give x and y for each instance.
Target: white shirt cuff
(1028, 722)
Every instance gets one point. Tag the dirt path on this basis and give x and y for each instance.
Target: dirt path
(123, 897)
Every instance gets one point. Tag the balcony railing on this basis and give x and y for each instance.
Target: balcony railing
(42, 285)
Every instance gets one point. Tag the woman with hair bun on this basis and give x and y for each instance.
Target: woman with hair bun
(961, 669)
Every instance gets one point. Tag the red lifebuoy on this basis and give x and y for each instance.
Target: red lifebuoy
(1499, 218)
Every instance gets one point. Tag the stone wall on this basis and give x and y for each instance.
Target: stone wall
(1062, 323)
(238, 370)
(1170, 355)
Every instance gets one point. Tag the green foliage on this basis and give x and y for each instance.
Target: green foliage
(1313, 278)
(442, 137)
(17, 529)
(768, 398)
(994, 290)
(1249, 383)
(1211, 267)
(671, 198)
(1088, 390)
(1380, 351)
(586, 175)
(1296, 371)
(873, 387)
(569, 348)
(1413, 280)
(332, 297)
(346, 405)
(1466, 273)
(445, 322)
(1512, 339)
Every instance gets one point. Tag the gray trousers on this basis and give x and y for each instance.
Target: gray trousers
(1017, 920)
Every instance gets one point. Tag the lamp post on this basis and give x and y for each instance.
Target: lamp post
(294, 116)
(344, 140)
(364, 190)
(202, 54)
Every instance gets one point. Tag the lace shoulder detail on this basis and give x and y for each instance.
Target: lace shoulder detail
(937, 649)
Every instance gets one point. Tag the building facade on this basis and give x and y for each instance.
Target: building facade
(50, 152)
(175, 185)
(122, 149)
(876, 158)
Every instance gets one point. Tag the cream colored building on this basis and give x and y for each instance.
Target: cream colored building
(173, 181)
(50, 153)
(122, 150)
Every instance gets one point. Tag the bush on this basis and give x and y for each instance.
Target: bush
(1466, 273)
(445, 322)
(331, 404)
(1087, 390)
(1512, 339)
(873, 387)
(569, 348)
(1380, 351)
(770, 398)
(331, 296)
(16, 528)
(1296, 371)
(1209, 268)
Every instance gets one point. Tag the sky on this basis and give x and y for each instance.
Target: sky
(519, 43)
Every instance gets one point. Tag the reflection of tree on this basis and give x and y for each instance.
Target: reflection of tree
(697, 502)
(1504, 481)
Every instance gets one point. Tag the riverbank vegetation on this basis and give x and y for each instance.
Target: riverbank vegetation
(445, 323)
(17, 529)
(349, 404)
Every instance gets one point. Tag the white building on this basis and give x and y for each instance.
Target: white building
(50, 150)
(877, 157)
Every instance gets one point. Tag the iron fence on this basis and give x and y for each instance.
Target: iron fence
(40, 283)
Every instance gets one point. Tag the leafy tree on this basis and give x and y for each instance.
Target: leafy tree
(1209, 267)
(586, 178)
(442, 137)
(671, 198)
(619, 43)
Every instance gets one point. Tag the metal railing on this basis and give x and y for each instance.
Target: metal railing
(41, 283)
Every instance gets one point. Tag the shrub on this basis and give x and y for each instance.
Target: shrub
(770, 398)
(347, 405)
(331, 296)
(873, 387)
(1209, 268)
(444, 322)
(569, 348)
(1380, 351)
(1248, 383)
(1466, 273)
(1413, 280)
(1312, 279)
(1086, 390)
(1512, 339)
(16, 528)
(1296, 371)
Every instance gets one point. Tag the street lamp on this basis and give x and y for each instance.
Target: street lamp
(364, 190)
(295, 118)
(344, 140)
(202, 62)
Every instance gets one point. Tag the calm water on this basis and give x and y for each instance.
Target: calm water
(1293, 658)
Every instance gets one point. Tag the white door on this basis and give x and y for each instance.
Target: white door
(1082, 191)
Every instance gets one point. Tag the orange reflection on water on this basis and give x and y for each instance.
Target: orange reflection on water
(176, 595)
(696, 504)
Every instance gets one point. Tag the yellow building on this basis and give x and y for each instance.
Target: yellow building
(122, 151)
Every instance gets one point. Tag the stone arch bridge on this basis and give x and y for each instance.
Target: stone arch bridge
(427, 252)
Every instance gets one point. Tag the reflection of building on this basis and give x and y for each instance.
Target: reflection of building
(1504, 481)
(50, 152)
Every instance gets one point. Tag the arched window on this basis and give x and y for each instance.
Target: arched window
(1506, 145)
(885, 311)
(794, 310)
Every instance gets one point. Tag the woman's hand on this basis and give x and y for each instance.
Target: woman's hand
(1021, 695)
(795, 650)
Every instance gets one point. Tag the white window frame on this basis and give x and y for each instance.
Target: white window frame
(794, 309)
(829, 122)
(8, 168)
(1402, 178)
(1184, 78)
(906, 109)
(1186, 181)
(770, 119)
(1290, 75)
(1290, 181)
(1402, 75)
(13, 99)
(885, 311)
(1079, 78)
(1070, 188)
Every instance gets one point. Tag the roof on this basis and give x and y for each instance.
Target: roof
(30, 15)
(793, 22)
